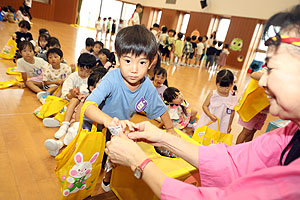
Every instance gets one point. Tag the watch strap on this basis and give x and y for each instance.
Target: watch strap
(143, 165)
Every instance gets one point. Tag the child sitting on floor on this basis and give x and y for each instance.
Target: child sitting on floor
(74, 87)
(54, 73)
(160, 81)
(180, 113)
(73, 110)
(89, 44)
(30, 67)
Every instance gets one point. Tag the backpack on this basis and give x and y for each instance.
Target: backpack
(188, 48)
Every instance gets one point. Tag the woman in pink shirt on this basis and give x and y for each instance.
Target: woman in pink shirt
(266, 168)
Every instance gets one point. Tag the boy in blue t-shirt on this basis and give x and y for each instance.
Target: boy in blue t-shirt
(125, 91)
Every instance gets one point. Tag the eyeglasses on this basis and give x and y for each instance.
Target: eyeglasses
(277, 39)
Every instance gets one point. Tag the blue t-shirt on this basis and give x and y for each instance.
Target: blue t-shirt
(117, 100)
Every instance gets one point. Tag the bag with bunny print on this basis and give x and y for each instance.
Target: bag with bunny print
(79, 165)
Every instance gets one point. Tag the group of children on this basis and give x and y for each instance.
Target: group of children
(9, 14)
(123, 91)
(106, 26)
(176, 51)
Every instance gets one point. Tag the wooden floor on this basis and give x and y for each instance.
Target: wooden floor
(26, 168)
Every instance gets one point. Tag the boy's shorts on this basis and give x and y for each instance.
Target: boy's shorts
(257, 122)
(198, 57)
(191, 55)
(177, 55)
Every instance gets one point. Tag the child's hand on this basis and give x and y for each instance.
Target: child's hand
(60, 82)
(213, 118)
(126, 125)
(21, 85)
(229, 129)
(74, 92)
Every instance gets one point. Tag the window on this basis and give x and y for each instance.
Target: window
(111, 8)
(222, 29)
(185, 23)
(128, 10)
(89, 13)
(158, 17)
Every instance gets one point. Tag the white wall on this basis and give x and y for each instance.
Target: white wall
(262, 9)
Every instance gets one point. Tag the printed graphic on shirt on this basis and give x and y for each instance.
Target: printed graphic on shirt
(141, 104)
(37, 71)
(228, 111)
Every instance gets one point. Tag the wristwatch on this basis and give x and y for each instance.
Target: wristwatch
(138, 172)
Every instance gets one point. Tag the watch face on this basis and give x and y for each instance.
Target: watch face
(137, 173)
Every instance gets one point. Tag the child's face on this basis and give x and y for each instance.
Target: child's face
(159, 80)
(134, 68)
(102, 58)
(23, 30)
(224, 91)
(171, 34)
(83, 72)
(97, 48)
(179, 99)
(27, 53)
(42, 42)
(54, 59)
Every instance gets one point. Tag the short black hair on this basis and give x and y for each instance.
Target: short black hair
(170, 94)
(194, 37)
(164, 29)
(226, 46)
(43, 31)
(200, 39)
(100, 43)
(97, 75)
(24, 24)
(173, 31)
(52, 41)
(188, 38)
(225, 78)
(56, 51)
(206, 37)
(87, 60)
(139, 5)
(220, 43)
(137, 40)
(179, 35)
(156, 25)
(25, 44)
(105, 52)
(215, 42)
(104, 18)
(160, 70)
(89, 42)
(109, 18)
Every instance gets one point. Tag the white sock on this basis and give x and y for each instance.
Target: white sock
(62, 130)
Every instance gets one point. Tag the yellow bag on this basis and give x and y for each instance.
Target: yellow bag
(13, 71)
(207, 136)
(52, 106)
(9, 50)
(79, 165)
(6, 84)
(126, 186)
(252, 102)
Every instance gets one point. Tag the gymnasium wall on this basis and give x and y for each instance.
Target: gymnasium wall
(57, 10)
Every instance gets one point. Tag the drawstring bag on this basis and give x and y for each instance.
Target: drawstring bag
(6, 84)
(252, 102)
(206, 136)
(79, 165)
(9, 50)
(53, 105)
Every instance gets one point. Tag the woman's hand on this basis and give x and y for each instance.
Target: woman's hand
(125, 124)
(148, 133)
(124, 151)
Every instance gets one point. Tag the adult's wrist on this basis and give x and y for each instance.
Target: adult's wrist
(138, 159)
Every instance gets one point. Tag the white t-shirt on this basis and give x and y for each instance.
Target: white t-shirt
(200, 48)
(135, 19)
(51, 74)
(155, 33)
(32, 70)
(74, 80)
(28, 3)
(98, 25)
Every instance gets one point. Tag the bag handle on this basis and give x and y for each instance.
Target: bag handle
(83, 109)
(209, 123)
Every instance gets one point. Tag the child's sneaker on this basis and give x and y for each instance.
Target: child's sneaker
(39, 95)
(53, 146)
(105, 186)
(51, 122)
(62, 130)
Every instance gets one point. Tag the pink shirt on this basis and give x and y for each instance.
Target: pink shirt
(250, 170)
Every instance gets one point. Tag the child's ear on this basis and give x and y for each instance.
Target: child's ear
(91, 88)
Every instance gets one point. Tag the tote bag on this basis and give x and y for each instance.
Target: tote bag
(252, 102)
(79, 164)
(206, 136)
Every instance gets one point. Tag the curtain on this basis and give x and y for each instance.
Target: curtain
(78, 12)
